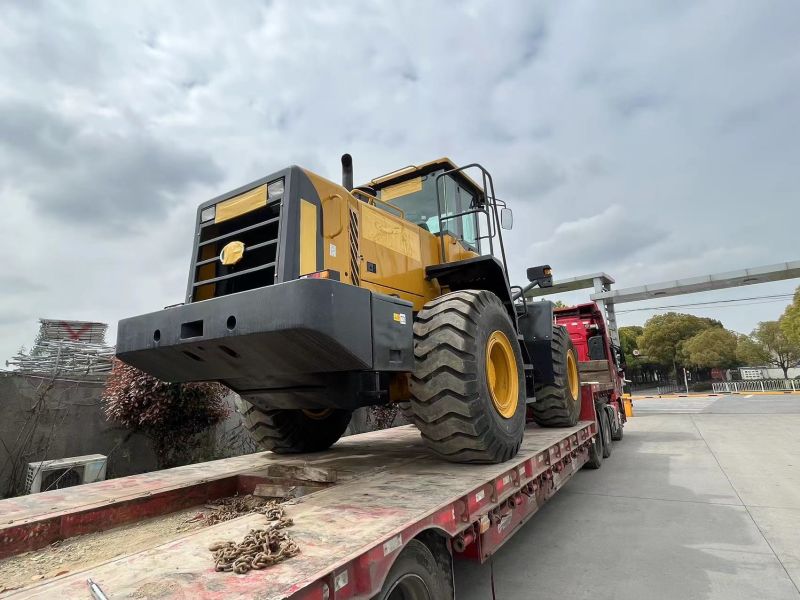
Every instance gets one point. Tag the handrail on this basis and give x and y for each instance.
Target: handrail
(489, 209)
(372, 200)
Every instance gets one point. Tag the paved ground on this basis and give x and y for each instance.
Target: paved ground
(701, 500)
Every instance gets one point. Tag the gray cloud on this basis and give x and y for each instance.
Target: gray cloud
(585, 242)
(117, 176)
(651, 141)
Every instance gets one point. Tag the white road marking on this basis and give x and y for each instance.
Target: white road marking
(748, 396)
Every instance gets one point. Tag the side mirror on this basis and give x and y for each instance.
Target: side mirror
(541, 276)
(506, 218)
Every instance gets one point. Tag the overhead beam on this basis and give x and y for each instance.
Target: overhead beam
(571, 284)
(704, 283)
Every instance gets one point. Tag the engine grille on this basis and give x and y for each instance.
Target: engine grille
(258, 231)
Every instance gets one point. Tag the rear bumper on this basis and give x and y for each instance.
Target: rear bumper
(272, 337)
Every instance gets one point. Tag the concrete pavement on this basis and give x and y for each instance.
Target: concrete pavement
(700, 500)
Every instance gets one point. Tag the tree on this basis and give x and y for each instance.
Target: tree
(712, 348)
(663, 336)
(628, 340)
(768, 345)
(790, 321)
(169, 414)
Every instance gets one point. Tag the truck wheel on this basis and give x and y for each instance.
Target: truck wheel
(596, 450)
(468, 386)
(558, 404)
(605, 427)
(415, 575)
(291, 431)
(619, 433)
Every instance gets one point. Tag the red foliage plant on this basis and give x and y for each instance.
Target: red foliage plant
(170, 414)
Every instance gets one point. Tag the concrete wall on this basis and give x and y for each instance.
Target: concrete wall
(42, 419)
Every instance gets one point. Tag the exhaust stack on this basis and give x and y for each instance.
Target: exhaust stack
(347, 172)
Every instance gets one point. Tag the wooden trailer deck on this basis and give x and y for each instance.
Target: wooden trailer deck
(387, 488)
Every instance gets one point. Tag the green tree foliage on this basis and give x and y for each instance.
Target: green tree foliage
(768, 345)
(663, 336)
(790, 321)
(712, 347)
(169, 414)
(628, 339)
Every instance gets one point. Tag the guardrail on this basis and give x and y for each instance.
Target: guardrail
(670, 388)
(758, 385)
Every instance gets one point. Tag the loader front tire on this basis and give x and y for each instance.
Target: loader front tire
(558, 404)
(290, 431)
(468, 385)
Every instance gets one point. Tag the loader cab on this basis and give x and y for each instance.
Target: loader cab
(413, 190)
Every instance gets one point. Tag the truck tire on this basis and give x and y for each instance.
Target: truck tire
(596, 450)
(619, 433)
(605, 427)
(291, 431)
(415, 575)
(558, 404)
(468, 385)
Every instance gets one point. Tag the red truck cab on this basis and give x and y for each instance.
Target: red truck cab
(601, 363)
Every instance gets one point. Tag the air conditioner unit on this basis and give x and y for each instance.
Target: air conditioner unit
(47, 475)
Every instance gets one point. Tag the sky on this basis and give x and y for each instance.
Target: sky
(649, 140)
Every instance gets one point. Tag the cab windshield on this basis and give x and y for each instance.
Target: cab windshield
(417, 199)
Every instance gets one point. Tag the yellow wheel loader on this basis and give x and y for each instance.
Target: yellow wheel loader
(311, 299)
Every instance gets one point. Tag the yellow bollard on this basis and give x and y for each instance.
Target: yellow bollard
(628, 404)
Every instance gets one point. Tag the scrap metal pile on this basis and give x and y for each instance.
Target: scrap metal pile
(66, 348)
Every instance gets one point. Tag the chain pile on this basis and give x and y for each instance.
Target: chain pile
(261, 547)
(226, 509)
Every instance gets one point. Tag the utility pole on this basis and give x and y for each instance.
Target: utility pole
(686, 379)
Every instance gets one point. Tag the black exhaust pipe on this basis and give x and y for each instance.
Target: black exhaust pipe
(347, 172)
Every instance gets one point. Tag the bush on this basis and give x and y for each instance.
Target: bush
(169, 414)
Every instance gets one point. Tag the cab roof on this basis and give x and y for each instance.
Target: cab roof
(417, 170)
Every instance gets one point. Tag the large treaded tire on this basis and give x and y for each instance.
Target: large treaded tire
(292, 431)
(450, 398)
(555, 404)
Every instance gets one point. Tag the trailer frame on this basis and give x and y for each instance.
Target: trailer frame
(473, 522)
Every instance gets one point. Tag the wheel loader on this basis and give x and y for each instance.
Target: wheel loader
(311, 298)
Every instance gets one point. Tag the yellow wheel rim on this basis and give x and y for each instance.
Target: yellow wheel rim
(501, 374)
(317, 414)
(573, 379)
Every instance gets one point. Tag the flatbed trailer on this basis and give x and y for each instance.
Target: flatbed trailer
(376, 493)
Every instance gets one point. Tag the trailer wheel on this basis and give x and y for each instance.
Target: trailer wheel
(558, 404)
(605, 428)
(596, 450)
(415, 575)
(291, 431)
(468, 385)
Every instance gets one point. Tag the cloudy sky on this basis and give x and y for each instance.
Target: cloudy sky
(650, 140)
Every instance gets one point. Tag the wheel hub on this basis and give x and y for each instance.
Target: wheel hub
(501, 374)
(573, 378)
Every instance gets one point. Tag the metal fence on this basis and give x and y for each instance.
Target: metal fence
(758, 385)
(670, 388)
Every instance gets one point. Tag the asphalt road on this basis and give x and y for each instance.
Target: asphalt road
(700, 500)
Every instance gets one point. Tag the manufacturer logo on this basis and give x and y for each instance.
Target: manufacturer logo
(232, 253)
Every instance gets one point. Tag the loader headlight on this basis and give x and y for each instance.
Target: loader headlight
(275, 189)
(208, 213)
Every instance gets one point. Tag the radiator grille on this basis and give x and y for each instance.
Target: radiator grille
(258, 231)
(354, 257)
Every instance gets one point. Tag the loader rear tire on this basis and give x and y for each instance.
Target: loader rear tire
(285, 431)
(468, 386)
(558, 404)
